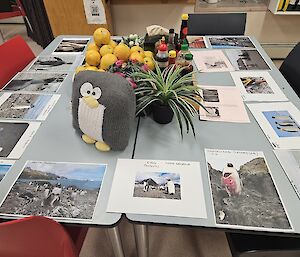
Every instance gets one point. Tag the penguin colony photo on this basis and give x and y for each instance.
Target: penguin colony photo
(103, 108)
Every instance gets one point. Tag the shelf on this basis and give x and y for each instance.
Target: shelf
(231, 6)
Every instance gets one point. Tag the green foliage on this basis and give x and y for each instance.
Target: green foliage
(169, 88)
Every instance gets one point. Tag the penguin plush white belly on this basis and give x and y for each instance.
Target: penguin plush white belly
(91, 120)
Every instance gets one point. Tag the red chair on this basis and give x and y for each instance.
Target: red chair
(15, 56)
(35, 237)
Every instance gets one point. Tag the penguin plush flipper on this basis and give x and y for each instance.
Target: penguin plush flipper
(102, 146)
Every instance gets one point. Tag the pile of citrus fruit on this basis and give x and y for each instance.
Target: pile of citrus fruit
(104, 52)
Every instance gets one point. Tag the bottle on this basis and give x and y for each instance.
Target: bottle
(171, 40)
(181, 54)
(184, 26)
(162, 56)
(172, 57)
(188, 66)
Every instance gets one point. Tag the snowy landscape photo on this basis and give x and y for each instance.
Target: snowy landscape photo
(230, 42)
(5, 166)
(243, 191)
(61, 190)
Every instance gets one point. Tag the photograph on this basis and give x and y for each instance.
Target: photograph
(212, 111)
(15, 136)
(230, 42)
(283, 123)
(72, 45)
(54, 63)
(55, 189)
(36, 82)
(210, 95)
(279, 122)
(158, 187)
(257, 86)
(243, 191)
(246, 59)
(164, 185)
(211, 61)
(5, 166)
(196, 42)
(26, 106)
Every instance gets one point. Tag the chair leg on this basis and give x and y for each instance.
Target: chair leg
(115, 239)
(29, 25)
(141, 240)
(2, 36)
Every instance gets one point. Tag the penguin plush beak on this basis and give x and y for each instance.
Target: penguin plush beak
(91, 102)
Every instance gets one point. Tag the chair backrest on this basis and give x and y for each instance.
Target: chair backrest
(35, 237)
(15, 56)
(290, 69)
(217, 24)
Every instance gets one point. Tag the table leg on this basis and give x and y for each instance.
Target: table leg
(141, 240)
(116, 242)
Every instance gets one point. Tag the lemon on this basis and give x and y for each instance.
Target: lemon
(101, 36)
(148, 54)
(107, 60)
(92, 46)
(137, 49)
(136, 56)
(79, 69)
(92, 58)
(150, 62)
(101, 70)
(91, 68)
(122, 52)
(112, 43)
(106, 49)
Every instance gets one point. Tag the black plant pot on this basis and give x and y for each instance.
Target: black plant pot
(162, 114)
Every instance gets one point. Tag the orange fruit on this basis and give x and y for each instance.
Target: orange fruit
(137, 49)
(101, 36)
(92, 46)
(106, 49)
(92, 57)
(136, 56)
(107, 60)
(122, 52)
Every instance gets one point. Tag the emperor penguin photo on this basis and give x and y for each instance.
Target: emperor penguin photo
(103, 108)
(231, 180)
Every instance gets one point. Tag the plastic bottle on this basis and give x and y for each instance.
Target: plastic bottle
(162, 56)
(181, 55)
(171, 40)
(184, 26)
(188, 66)
(172, 57)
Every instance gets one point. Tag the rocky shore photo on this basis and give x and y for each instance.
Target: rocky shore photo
(243, 191)
(64, 190)
(162, 185)
(72, 45)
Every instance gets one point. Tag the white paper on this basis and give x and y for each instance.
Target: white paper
(257, 86)
(71, 45)
(76, 185)
(280, 123)
(229, 42)
(15, 137)
(243, 191)
(223, 104)
(94, 12)
(26, 106)
(244, 59)
(130, 194)
(211, 61)
(36, 82)
(5, 166)
(290, 162)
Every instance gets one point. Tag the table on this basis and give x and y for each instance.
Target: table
(164, 142)
(56, 140)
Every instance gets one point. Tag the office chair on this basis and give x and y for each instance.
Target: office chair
(15, 56)
(217, 24)
(35, 237)
(245, 245)
(290, 69)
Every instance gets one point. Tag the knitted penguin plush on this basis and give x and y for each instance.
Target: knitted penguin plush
(103, 108)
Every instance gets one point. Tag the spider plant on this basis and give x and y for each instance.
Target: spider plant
(169, 88)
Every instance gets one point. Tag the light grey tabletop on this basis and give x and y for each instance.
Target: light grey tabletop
(57, 141)
(163, 142)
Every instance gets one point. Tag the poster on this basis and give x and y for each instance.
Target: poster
(243, 191)
(257, 86)
(94, 12)
(5, 166)
(71, 46)
(15, 137)
(290, 162)
(196, 42)
(36, 82)
(280, 123)
(211, 61)
(246, 59)
(171, 188)
(26, 106)
(222, 104)
(229, 42)
(55, 189)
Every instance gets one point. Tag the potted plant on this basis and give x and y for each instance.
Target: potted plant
(169, 94)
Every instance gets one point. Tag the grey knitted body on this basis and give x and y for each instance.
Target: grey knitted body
(119, 101)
